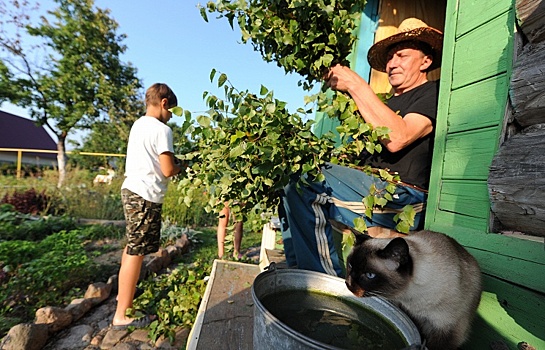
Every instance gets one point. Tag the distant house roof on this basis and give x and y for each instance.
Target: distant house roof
(19, 132)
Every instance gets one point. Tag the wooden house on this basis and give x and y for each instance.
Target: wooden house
(21, 133)
(482, 181)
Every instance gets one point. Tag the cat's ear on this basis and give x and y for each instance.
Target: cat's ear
(397, 250)
(360, 238)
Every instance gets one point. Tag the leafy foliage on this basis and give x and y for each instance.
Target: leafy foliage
(175, 298)
(18, 226)
(246, 149)
(28, 202)
(38, 273)
(306, 37)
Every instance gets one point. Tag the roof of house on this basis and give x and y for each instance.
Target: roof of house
(19, 132)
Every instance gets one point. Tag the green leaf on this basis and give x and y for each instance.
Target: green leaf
(238, 135)
(360, 225)
(403, 227)
(202, 11)
(178, 111)
(222, 79)
(203, 121)
(237, 151)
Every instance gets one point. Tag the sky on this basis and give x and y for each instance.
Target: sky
(168, 41)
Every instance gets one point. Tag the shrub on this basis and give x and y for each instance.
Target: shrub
(175, 211)
(28, 202)
(18, 226)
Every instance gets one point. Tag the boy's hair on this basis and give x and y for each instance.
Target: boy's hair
(159, 91)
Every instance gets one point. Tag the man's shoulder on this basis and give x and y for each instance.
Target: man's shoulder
(431, 86)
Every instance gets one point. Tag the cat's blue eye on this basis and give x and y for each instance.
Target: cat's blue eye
(370, 275)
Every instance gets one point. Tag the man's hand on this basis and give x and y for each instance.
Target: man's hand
(342, 78)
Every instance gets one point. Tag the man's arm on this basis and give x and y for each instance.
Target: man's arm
(168, 165)
(403, 131)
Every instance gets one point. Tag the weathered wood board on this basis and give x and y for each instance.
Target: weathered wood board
(226, 314)
(527, 90)
(530, 17)
(516, 182)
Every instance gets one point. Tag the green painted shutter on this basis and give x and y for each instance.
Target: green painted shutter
(477, 60)
(477, 57)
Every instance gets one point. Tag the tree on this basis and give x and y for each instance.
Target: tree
(79, 80)
(110, 136)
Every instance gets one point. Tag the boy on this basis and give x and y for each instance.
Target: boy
(150, 162)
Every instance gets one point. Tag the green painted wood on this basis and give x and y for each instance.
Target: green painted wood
(477, 58)
(504, 315)
(519, 261)
(484, 52)
(478, 105)
(469, 198)
(441, 127)
(449, 219)
(468, 155)
(474, 14)
(502, 267)
(472, 63)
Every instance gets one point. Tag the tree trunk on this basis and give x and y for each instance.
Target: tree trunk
(516, 183)
(61, 159)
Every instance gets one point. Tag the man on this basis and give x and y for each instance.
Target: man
(409, 115)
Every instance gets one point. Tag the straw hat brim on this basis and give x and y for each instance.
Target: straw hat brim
(377, 55)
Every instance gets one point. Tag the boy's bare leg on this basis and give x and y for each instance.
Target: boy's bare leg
(129, 273)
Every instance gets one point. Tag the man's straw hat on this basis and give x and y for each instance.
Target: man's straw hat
(411, 29)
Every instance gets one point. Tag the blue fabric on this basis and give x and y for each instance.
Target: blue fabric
(305, 213)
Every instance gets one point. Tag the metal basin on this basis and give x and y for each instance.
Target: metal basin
(277, 309)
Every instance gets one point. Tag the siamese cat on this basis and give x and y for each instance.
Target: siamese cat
(428, 275)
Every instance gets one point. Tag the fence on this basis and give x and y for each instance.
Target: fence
(20, 152)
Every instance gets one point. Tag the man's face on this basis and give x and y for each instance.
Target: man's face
(405, 68)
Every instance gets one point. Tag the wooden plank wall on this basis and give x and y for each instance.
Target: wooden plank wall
(477, 60)
(471, 111)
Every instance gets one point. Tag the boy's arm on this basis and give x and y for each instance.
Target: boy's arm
(168, 165)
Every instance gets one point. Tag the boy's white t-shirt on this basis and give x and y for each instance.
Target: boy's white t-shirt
(149, 137)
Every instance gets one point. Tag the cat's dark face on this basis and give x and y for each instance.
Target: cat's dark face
(375, 267)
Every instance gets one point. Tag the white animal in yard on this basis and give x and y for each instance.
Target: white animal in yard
(105, 179)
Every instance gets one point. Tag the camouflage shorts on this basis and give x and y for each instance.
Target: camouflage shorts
(143, 219)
